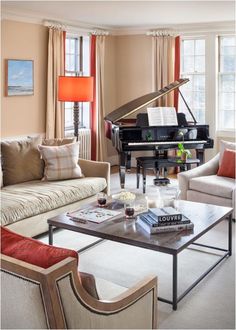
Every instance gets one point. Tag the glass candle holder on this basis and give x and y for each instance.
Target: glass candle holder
(101, 199)
(129, 209)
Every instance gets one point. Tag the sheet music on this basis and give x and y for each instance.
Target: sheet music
(162, 116)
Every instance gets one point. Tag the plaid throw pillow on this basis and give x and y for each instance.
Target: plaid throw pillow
(61, 162)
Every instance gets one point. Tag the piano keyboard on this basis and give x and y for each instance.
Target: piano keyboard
(165, 142)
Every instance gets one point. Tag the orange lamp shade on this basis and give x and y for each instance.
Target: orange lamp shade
(75, 89)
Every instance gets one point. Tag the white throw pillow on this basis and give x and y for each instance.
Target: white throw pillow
(61, 162)
(226, 145)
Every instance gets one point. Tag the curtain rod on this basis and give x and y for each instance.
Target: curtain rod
(161, 33)
(74, 29)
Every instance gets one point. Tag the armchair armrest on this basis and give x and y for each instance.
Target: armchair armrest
(92, 168)
(134, 309)
(209, 168)
(61, 302)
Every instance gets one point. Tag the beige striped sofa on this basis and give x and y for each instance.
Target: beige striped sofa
(26, 206)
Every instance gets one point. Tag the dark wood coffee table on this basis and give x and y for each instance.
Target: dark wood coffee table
(204, 217)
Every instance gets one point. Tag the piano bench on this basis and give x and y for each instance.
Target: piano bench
(150, 162)
(157, 164)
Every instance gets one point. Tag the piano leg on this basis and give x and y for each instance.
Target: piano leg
(122, 156)
(138, 174)
(200, 153)
(128, 161)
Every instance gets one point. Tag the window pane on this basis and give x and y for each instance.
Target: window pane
(188, 96)
(227, 63)
(199, 83)
(72, 46)
(68, 114)
(189, 85)
(67, 63)
(194, 90)
(67, 45)
(200, 117)
(227, 119)
(227, 101)
(200, 47)
(199, 64)
(228, 41)
(188, 64)
(227, 83)
(199, 100)
(188, 48)
(230, 50)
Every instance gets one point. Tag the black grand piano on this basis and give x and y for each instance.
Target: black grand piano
(129, 135)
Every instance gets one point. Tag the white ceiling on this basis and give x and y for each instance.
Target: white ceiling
(124, 14)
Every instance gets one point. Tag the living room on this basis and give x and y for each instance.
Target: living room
(117, 43)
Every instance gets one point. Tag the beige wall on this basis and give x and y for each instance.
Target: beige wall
(133, 67)
(22, 115)
(128, 73)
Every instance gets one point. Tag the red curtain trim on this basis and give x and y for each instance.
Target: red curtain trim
(93, 114)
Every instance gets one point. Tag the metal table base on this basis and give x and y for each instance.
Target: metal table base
(175, 298)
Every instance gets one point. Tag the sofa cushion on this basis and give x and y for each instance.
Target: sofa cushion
(31, 198)
(108, 290)
(58, 142)
(213, 185)
(32, 251)
(21, 160)
(61, 162)
(225, 145)
(227, 166)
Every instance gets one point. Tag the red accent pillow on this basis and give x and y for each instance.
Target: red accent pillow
(31, 250)
(227, 167)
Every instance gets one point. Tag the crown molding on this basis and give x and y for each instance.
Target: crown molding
(19, 17)
(227, 26)
(33, 18)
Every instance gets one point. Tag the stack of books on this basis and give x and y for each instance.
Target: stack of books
(162, 220)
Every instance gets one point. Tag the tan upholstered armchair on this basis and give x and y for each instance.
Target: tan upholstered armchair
(202, 184)
(33, 297)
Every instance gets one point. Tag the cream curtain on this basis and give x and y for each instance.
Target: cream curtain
(101, 143)
(56, 62)
(163, 63)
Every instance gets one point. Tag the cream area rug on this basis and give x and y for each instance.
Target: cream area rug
(210, 305)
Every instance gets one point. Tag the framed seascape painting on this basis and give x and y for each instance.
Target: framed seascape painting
(19, 77)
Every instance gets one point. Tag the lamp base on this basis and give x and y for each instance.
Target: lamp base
(76, 120)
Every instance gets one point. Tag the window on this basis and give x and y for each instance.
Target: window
(227, 83)
(77, 62)
(192, 66)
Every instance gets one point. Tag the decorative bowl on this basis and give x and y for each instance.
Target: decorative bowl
(124, 197)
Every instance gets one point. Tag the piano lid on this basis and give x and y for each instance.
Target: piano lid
(132, 106)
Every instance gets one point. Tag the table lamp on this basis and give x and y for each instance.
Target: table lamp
(75, 89)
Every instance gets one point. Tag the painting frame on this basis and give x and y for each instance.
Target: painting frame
(19, 77)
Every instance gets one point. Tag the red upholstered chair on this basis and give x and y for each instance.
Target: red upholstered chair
(41, 288)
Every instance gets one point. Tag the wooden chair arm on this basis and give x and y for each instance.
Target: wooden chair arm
(69, 305)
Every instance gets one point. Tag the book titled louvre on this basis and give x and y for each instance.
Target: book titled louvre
(165, 214)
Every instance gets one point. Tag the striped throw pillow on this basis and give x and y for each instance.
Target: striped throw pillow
(61, 162)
